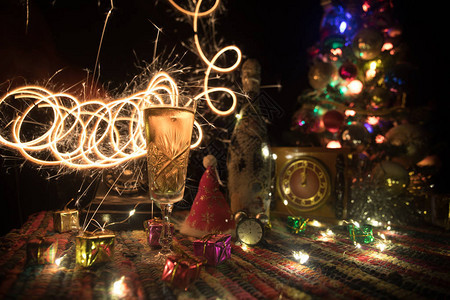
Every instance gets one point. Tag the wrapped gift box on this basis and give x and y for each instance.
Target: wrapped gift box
(66, 220)
(215, 248)
(180, 271)
(362, 234)
(42, 250)
(153, 229)
(296, 224)
(94, 248)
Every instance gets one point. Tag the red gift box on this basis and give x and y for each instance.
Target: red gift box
(153, 229)
(214, 247)
(181, 271)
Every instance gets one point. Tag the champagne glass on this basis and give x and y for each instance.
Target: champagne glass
(168, 129)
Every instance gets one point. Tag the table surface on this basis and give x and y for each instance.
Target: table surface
(414, 265)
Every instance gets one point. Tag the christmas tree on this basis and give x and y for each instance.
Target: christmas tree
(360, 79)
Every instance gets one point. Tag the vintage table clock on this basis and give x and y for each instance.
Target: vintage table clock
(250, 230)
(311, 182)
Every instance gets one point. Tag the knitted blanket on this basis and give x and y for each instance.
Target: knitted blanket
(415, 264)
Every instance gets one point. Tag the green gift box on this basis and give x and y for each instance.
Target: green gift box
(42, 250)
(296, 224)
(94, 248)
(362, 234)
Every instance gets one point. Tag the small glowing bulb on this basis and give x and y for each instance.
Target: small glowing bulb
(285, 202)
(132, 212)
(388, 228)
(58, 260)
(238, 116)
(379, 139)
(387, 46)
(342, 27)
(350, 112)
(355, 87)
(315, 223)
(274, 156)
(244, 247)
(356, 224)
(119, 287)
(373, 120)
(334, 145)
(381, 246)
(300, 256)
(265, 151)
(358, 245)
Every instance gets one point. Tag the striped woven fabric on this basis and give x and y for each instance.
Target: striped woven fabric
(415, 264)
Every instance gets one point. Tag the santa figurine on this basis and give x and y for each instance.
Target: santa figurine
(210, 212)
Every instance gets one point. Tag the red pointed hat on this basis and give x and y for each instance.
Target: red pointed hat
(210, 212)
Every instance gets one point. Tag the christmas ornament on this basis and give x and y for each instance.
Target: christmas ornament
(306, 120)
(391, 176)
(216, 248)
(296, 224)
(42, 250)
(210, 211)
(250, 231)
(362, 234)
(367, 43)
(94, 248)
(153, 229)
(409, 140)
(355, 136)
(180, 270)
(321, 74)
(379, 97)
(333, 120)
(249, 161)
(348, 71)
(66, 220)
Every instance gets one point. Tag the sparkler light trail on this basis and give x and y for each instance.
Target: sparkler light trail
(97, 133)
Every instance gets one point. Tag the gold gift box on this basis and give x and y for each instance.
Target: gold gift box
(94, 248)
(66, 220)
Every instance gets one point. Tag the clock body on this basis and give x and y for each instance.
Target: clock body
(250, 231)
(311, 182)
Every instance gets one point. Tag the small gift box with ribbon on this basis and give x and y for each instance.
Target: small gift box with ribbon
(362, 234)
(153, 229)
(66, 220)
(94, 248)
(42, 250)
(214, 247)
(181, 270)
(296, 224)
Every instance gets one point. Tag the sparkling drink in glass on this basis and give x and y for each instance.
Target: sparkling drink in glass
(168, 131)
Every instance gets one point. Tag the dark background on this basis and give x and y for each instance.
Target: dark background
(65, 34)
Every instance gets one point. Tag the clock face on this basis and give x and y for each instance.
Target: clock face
(305, 183)
(250, 231)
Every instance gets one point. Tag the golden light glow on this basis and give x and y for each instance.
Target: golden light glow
(334, 145)
(99, 133)
(119, 287)
(300, 256)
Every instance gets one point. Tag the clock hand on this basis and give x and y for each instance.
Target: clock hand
(303, 183)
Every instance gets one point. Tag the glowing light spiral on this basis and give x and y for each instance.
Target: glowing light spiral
(100, 134)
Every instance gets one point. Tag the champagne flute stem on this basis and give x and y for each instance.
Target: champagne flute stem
(165, 239)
